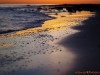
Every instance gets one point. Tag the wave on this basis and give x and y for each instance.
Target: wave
(19, 18)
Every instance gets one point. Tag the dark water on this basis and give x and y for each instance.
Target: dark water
(19, 18)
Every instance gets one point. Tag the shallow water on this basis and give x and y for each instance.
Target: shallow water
(19, 18)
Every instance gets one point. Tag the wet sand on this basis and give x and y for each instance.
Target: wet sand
(38, 51)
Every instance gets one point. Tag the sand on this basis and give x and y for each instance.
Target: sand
(37, 51)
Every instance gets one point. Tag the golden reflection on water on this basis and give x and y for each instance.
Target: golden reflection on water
(62, 21)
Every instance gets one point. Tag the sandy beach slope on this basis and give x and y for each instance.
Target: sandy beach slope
(36, 51)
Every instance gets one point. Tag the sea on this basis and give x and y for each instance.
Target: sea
(15, 17)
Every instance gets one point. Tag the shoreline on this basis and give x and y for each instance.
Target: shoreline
(41, 51)
(45, 25)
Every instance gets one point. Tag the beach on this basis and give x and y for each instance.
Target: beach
(86, 44)
(43, 50)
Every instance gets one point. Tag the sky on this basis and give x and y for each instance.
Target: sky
(49, 1)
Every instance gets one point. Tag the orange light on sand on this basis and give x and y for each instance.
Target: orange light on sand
(49, 1)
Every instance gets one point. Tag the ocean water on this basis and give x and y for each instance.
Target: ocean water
(15, 18)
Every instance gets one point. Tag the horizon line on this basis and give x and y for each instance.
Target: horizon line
(45, 3)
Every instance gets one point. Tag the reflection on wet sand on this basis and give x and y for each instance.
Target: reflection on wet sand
(36, 50)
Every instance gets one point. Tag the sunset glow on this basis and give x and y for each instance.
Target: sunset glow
(49, 1)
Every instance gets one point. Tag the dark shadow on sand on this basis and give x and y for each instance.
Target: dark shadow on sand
(86, 45)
